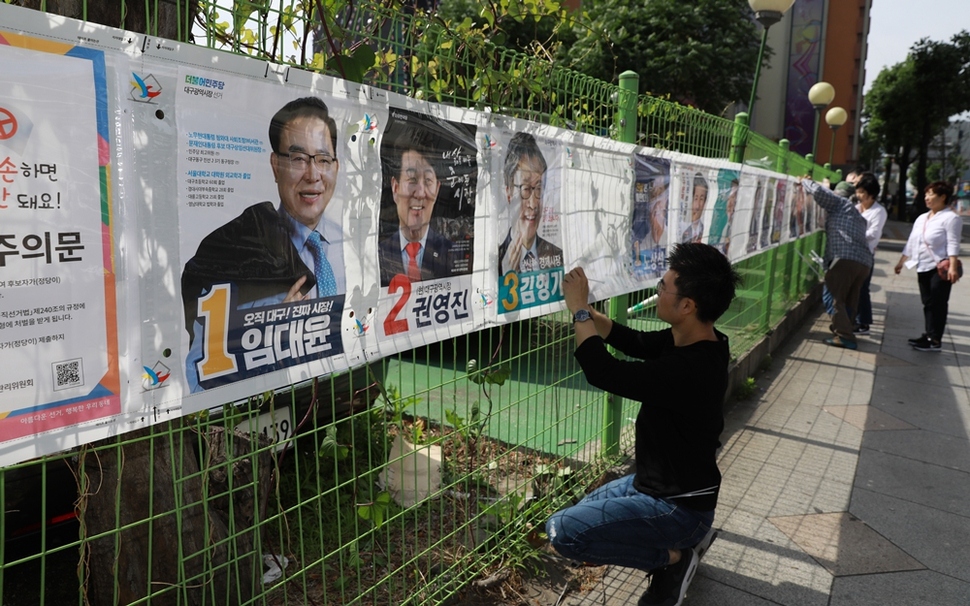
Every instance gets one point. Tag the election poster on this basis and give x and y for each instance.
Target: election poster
(778, 216)
(527, 189)
(754, 211)
(799, 222)
(651, 193)
(263, 181)
(59, 364)
(726, 204)
(426, 230)
(696, 194)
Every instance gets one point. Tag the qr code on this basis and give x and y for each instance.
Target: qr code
(67, 374)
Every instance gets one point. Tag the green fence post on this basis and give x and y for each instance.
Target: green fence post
(626, 130)
(811, 161)
(739, 137)
(838, 175)
(769, 285)
(781, 165)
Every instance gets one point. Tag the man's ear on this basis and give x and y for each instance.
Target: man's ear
(687, 306)
(274, 162)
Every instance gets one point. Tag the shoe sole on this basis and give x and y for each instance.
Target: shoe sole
(937, 349)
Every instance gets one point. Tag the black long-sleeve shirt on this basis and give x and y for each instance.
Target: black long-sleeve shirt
(681, 391)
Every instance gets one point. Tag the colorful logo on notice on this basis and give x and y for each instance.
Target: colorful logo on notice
(144, 89)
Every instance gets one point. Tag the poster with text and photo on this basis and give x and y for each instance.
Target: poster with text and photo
(426, 230)
(779, 232)
(527, 189)
(648, 235)
(264, 172)
(752, 207)
(800, 219)
(58, 315)
(756, 212)
(725, 206)
(696, 192)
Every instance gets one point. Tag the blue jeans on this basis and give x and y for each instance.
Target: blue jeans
(619, 525)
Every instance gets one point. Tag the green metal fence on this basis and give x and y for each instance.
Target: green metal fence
(198, 510)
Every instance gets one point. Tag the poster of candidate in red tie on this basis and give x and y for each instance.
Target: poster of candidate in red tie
(426, 230)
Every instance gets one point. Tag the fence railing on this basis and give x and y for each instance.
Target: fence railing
(501, 427)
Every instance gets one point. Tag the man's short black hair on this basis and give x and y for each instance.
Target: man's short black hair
(522, 146)
(869, 183)
(705, 275)
(298, 108)
(414, 139)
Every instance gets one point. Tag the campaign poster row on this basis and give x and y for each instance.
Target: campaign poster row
(173, 238)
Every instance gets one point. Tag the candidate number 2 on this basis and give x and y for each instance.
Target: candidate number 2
(392, 325)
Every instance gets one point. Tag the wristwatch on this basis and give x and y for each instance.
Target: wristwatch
(582, 315)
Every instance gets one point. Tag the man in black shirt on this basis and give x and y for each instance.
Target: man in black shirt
(660, 518)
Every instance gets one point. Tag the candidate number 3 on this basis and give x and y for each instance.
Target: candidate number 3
(214, 308)
(512, 281)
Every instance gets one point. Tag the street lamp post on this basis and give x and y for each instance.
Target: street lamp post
(820, 95)
(835, 118)
(767, 12)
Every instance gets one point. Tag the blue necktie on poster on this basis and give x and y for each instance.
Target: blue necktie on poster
(326, 283)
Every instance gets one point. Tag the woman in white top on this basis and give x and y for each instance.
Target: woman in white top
(935, 237)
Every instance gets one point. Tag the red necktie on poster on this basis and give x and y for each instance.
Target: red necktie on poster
(414, 272)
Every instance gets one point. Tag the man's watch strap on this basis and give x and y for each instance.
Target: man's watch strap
(582, 315)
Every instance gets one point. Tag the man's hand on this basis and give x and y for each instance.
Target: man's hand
(513, 254)
(899, 266)
(575, 288)
(294, 293)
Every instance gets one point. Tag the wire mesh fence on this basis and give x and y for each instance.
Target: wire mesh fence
(401, 482)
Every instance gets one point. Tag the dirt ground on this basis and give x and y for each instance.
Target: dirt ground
(556, 579)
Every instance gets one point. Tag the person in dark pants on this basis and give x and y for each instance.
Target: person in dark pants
(935, 238)
(847, 258)
(867, 190)
(658, 519)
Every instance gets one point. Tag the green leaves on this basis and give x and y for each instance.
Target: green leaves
(354, 66)
(497, 375)
(376, 510)
(330, 447)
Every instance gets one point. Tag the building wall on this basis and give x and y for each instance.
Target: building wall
(847, 26)
(798, 63)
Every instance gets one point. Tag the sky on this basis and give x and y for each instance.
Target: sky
(895, 25)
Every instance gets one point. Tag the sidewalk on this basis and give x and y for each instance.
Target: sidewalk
(847, 479)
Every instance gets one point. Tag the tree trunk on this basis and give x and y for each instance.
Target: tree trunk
(176, 518)
(904, 162)
(919, 201)
(173, 19)
(887, 179)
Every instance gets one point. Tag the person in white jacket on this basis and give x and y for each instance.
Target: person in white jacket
(935, 238)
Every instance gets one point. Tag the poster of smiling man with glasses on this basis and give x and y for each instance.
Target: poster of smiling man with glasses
(530, 258)
(260, 290)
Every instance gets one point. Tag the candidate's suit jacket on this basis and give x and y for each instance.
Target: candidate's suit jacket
(253, 252)
(550, 255)
(437, 261)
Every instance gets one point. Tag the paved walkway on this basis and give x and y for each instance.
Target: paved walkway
(847, 478)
